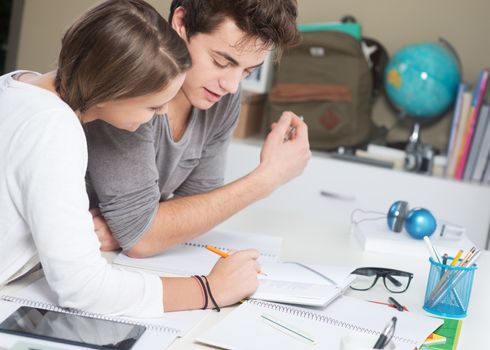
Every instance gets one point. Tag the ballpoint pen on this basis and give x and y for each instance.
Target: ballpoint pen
(291, 131)
(287, 329)
(386, 335)
(340, 196)
(387, 304)
(225, 255)
(398, 306)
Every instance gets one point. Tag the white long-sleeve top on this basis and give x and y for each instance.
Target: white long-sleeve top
(44, 208)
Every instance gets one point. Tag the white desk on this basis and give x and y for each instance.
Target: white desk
(373, 188)
(317, 229)
(315, 240)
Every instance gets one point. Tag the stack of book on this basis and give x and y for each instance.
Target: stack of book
(469, 140)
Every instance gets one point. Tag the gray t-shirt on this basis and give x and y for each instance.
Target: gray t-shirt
(130, 173)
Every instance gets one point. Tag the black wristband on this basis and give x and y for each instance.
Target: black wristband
(216, 307)
(204, 290)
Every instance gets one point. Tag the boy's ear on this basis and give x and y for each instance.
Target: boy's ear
(178, 22)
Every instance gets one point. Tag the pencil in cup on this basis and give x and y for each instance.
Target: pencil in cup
(453, 277)
(449, 295)
(445, 272)
(225, 255)
(456, 258)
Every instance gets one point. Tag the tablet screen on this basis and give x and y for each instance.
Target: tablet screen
(71, 329)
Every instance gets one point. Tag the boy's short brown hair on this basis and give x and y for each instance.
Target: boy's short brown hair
(118, 49)
(271, 21)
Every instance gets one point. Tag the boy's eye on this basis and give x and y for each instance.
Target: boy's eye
(219, 65)
(247, 72)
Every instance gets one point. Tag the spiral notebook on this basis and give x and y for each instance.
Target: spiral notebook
(278, 326)
(159, 334)
(192, 257)
(302, 284)
(285, 282)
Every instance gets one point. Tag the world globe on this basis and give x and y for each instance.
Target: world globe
(421, 80)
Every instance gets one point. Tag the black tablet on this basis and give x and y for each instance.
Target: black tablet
(71, 329)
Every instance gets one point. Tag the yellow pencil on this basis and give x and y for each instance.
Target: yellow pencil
(217, 251)
(224, 255)
(456, 258)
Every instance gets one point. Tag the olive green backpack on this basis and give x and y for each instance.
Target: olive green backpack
(327, 80)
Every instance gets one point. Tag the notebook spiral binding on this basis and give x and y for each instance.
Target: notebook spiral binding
(199, 245)
(311, 315)
(51, 307)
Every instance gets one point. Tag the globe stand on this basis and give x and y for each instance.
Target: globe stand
(419, 157)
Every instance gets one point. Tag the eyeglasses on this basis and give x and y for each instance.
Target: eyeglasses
(395, 281)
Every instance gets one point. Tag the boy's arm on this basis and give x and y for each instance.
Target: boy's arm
(122, 181)
(183, 218)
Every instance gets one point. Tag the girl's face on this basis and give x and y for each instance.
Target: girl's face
(128, 114)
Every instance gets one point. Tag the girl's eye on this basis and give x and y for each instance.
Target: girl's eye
(156, 110)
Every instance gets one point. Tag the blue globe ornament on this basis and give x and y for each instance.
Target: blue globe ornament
(421, 80)
(420, 222)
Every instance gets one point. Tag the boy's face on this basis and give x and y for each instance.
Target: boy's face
(220, 60)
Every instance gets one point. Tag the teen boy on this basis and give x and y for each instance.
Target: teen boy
(163, 184)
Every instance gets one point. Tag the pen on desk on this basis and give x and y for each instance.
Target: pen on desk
(344, 197)
(287, 329)
(225, 255)
(386, 335)
(387, 304)
(398, 306)
(291, 131)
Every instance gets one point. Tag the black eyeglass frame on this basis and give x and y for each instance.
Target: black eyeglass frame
(386, 273)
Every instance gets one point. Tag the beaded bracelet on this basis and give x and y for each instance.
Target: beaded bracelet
(203, 291)
(216, 307)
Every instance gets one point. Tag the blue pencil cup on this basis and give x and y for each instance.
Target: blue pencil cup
(448, 289)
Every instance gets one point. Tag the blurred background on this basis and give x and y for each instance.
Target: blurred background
(31, 31)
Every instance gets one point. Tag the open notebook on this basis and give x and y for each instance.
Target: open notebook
(192, 258)
(159, 334)
(285, 282)
(302, 284)
(256, 325)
